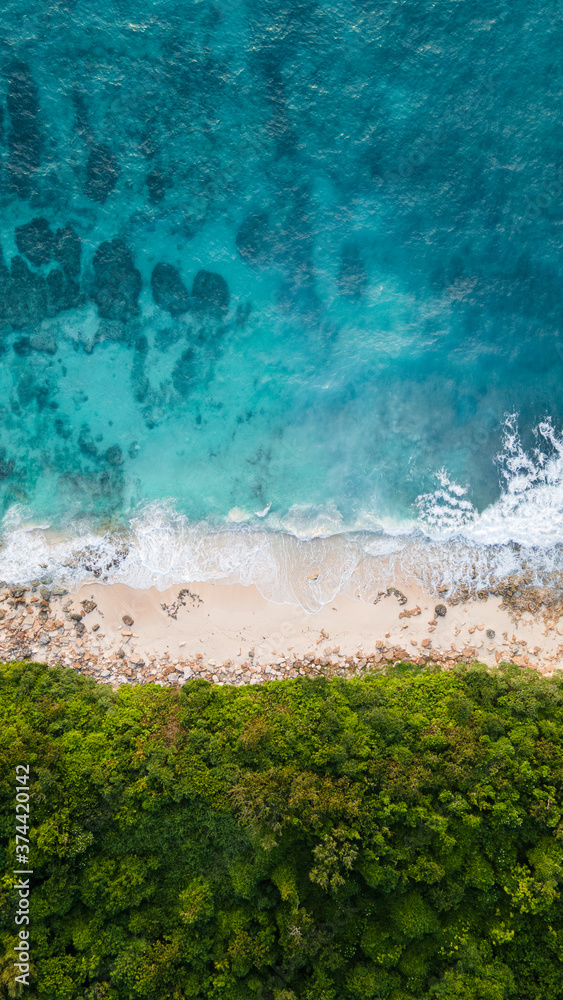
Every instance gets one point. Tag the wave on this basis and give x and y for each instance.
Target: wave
(309, 555)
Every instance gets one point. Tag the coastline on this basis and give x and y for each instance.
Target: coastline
(229, 633)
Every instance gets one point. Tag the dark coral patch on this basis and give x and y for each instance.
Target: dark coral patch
(210, 291)
(255, 240)
(117, 282)
(168, 289)
(62, 292)
(157, 182)
(27, 300)
(24, 138)
(7, 465)
(35, 241)
(66, 250)
(184, 373)
(102, 171)
(114, 455)
(352, 277)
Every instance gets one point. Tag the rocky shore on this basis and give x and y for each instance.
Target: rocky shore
(44, 623)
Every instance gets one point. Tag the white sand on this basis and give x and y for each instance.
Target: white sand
(232, 620)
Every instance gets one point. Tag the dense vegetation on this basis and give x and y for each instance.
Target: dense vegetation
(396, 836)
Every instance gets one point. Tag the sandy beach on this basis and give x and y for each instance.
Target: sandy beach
(231, 634)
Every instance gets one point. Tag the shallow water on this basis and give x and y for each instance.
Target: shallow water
(380, 190)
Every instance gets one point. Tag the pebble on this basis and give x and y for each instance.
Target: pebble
(46, 631)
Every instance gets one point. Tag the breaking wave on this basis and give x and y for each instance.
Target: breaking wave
(309, 555)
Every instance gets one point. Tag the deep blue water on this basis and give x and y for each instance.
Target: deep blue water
(296, 258)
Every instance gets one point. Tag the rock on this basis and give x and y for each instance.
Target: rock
(114, 455)
(66, 251)
(43, 639)
(117, 282)
(127, 620)
(102, 171)
(168, 289)
(35, 241)
(490, 633)
(57, 591)
(75, 617)
(45, 593)
(210, 291)
(121, 654)
(18, 592)
(24, 138)
(80, 628)
(440, 610)
(88, 607)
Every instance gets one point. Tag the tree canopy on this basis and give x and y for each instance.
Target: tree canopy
(398, 835)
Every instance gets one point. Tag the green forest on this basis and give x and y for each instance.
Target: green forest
(396, 835)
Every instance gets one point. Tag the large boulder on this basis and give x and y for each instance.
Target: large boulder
(24, 137)
(66, 250)
(102, 171)
(210, 292)
(35, 241)
(117, 282)
(168, 289)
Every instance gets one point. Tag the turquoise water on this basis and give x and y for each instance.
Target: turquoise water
(276, 272)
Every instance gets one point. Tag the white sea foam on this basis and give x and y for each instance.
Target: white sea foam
(310, 555)
(529, 510)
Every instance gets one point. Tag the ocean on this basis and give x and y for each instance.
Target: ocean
(280, 294)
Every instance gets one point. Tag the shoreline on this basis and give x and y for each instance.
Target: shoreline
(229, 633)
